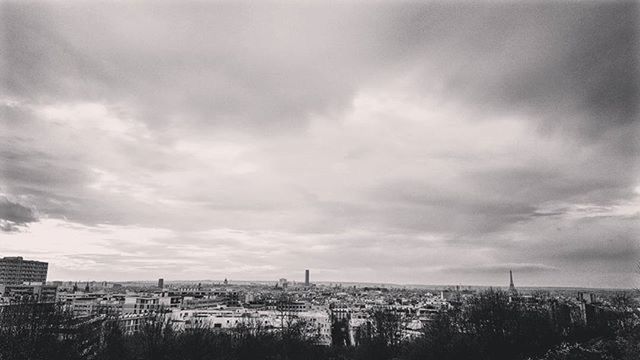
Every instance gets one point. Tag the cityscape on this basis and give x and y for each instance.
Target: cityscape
(333, 314)
(319, 180)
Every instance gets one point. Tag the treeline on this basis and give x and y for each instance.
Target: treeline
(489, 327)
(493, 328)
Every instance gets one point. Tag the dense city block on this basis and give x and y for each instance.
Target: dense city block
(304, 320)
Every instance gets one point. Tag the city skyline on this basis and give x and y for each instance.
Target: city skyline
(434, 143)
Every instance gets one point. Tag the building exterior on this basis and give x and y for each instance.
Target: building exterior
(283, 283)
(168, 301)
(93, 304)
(340, 311)
(28, 293)
(321, 322)
(293, 306)
(225, 318)
(306, 278)
(161, 283)
(141, 305)
(132, 323)
(17, 271)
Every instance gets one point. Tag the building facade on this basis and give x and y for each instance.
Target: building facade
(17, 271)
(27, 293)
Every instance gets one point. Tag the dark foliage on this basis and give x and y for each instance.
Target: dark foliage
(34, 331)
(340, 333)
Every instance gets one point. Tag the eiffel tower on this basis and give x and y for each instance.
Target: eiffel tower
(512, 288)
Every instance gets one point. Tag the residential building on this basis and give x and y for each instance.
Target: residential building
(28, 293)
(16, 271)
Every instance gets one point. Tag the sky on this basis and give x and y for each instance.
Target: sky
(402, 142)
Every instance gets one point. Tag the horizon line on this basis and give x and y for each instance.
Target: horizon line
(324, 282)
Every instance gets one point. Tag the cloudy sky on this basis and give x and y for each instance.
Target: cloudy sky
(433, 143)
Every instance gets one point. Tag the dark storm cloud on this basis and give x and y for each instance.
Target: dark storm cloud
(603, 255)
(290, 61)
(552, 59)
(37, 166)
(454, 209)
(504, 268)
(576, 243)
(212, 70)
(537, 185)
(414, 131)
(14, 215)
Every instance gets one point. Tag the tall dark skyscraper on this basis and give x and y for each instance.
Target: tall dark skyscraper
(161, 283)
(306, 278)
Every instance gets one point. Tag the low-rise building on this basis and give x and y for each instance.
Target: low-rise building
(28, 293)
(141, 304)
